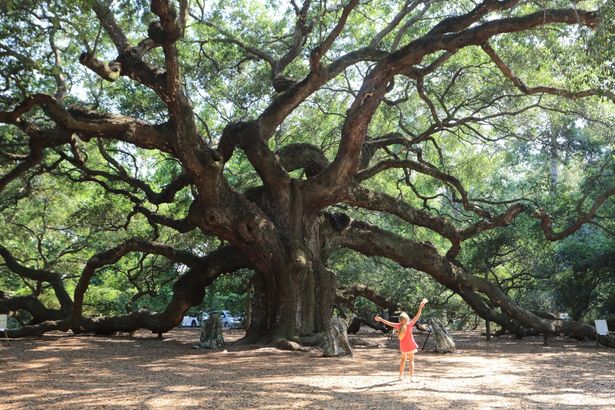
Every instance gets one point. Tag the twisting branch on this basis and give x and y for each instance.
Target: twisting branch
(40, 313)
(503, 219)
(89, 124)
(180, 225)
(168, 32)
(187, 291)
(53, 278)
(458, 23)
(61, 87)
(378, 201)
(583, 218)
(19, 170)
(572, 95)
(302, 29)
(107, 19)
(322, 49)
(113, 255)
(426, 169)
(129, 59)
(414, 51)
(39, 139)
(245, 135)
(165, 196)
(370, 240)
(407, 8)
(325, 188)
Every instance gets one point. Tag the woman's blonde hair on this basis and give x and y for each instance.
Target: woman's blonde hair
(403, 326)
(404, 315)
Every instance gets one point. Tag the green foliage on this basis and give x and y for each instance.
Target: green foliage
(228, 292)
(506, 153)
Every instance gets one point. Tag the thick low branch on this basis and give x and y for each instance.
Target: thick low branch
(53, 278)
(40, 313)
(189, 290)
(39, 329)
(348, 294)
(115, 254)
(372, 241)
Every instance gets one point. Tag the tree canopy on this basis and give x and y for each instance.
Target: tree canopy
(305, 153)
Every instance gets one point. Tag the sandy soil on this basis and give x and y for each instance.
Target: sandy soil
(142, 372)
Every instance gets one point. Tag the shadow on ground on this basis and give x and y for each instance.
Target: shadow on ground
(67, 371)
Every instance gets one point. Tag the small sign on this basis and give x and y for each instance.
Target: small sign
(601, 328)
(3, 320)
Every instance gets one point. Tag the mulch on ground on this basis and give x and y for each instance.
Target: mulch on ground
(64, 371)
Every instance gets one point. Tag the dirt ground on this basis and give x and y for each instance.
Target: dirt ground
(142, 372)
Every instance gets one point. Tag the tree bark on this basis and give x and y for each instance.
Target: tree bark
(336, 339)
(371, 240)
(211, 334)
(444, 341)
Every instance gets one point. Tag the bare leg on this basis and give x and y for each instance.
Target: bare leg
(402, 365)
(411, 363)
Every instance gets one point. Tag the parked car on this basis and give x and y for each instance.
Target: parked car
(194, 321)
(190, 321)
(227, 320)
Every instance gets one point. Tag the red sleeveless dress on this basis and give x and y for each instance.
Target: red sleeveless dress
(407, 344)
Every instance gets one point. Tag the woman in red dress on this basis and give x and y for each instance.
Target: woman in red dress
(407, 345)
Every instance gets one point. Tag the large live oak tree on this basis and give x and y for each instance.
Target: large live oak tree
(287, 227)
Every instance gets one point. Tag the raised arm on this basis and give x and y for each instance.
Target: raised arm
(418, 312)
(386, 322)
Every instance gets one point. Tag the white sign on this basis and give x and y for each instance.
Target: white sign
(601, 328)
(3, 319)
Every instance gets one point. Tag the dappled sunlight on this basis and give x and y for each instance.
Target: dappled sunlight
(41, 363)
(573, 399)
(82, 371)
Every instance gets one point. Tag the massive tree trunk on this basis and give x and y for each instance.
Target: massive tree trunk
(278, 228)
(297, 300)
(299, 304)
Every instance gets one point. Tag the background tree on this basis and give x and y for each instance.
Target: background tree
(276, 137)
